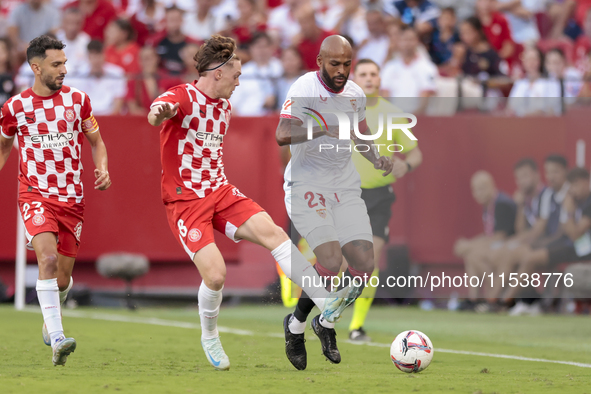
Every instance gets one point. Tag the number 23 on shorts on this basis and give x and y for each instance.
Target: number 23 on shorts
(37, 212)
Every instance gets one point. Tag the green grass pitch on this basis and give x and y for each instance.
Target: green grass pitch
(158, 351)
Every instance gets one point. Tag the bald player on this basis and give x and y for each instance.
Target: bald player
(322, 187)
(498, 217)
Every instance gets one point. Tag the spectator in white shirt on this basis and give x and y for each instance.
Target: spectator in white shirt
(203, 23)
(348, 18)
(104, 82)
(293, 68)
(282, 25)
(75, 39)
(376, 46)
(31, 19)
(257, 93)
(570, 79)
(409, 77)
(535, 94)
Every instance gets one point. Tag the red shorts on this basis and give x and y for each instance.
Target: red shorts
(192, 222)
(42, 215)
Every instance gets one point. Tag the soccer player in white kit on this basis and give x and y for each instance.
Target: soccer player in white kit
(322, 186)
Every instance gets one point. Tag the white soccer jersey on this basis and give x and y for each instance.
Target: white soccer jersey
(327, 169)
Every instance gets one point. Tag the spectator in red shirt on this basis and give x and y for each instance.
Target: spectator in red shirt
(310, 38)
(583, 46)
(497, 30)
(148, 84)
(147, 20)
(250, 21)
(98, 14)
(121, 49)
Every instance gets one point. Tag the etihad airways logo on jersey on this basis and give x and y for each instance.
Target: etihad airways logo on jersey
(346, 131)
(210, 140)
(53, 140)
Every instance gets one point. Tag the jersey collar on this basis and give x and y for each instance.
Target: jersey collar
(30, 90)
(326, 86)
(213, 101)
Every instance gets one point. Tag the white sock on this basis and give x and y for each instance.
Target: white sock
(64, 294)
(325, 323)
(209, 309)
(296, 267)
(49, 300)
(295, 326)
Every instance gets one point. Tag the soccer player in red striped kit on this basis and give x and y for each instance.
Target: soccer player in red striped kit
(198, 197)
(50, 120)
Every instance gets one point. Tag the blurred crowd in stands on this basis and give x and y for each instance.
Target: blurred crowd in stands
(125, 53)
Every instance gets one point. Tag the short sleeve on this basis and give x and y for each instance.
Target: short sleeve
(89, 124)
(400, 137)
(362, 106)
(171, 96)
(505, 218)
(428, 78)
(296, 102)
(8, 124)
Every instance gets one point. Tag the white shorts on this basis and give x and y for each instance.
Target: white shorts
(322, 217)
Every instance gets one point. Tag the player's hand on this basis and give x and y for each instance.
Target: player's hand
(384, 163)
(332, 131)
(165, 111)
(103, 180)
(399, 168)
(519, 198)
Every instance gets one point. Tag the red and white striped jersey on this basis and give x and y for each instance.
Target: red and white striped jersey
(49, 131)
(191, 143)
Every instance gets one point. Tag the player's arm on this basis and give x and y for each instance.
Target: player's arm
(574, 230)
(160, 113)
(5, 148)
(412, 160)
(99, 156)
(372, 154)
(8, 130)
(290, 131)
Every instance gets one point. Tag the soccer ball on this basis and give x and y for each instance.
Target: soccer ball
(411, 351)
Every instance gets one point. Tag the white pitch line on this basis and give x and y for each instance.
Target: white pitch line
(228, 330)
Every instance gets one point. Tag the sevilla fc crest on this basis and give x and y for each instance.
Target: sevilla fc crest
(38, 220)
(321, 213)
(354, 104)
(70, 115)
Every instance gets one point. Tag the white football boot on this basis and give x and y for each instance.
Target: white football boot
(62, 349)
(215, 354)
